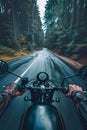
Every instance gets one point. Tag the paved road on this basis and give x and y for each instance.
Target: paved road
(29, 66)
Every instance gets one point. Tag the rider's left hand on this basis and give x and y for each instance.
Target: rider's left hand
(12, 90)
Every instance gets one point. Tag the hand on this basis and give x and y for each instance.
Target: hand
(12, 90)
(72, 88)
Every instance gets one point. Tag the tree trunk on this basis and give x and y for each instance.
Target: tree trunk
(14, 21)
(73, 17)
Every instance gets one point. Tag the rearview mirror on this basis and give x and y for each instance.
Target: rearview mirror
(83, 72)
(3, 67)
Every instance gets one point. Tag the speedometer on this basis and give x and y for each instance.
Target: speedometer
(42, 76)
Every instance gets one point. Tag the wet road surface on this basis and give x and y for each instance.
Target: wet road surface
(29, 66)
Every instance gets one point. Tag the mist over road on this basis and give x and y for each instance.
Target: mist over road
(30, 66)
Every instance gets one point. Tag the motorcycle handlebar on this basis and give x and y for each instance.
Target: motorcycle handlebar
(65, 90)
(25, 85)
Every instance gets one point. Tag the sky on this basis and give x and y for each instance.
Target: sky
(41, 4)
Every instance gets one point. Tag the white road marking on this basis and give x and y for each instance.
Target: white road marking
(40, 57)
(18, 79)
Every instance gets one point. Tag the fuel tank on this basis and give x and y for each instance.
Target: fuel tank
(42, 117)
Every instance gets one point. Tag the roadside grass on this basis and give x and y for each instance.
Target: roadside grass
(80, 53)
(9, 54)
(77, 53)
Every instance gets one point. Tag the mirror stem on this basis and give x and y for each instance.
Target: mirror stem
(68, 78)
(71, 76)
(14, 74)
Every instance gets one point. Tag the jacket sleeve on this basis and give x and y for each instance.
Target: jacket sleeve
(4, 101)
(80, 99)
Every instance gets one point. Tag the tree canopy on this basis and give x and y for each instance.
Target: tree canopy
(66, 23)
(20, 23)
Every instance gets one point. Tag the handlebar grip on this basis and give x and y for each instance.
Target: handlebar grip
(24, 81)
(20, 88)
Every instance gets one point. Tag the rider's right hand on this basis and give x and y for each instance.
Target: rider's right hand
(73, 87)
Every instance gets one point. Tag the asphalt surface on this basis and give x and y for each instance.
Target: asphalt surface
(30, 66)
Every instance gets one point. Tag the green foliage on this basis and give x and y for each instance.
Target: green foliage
(20, 24)
(69, 49)
(66, 23)
(81, 49)
(76, 56)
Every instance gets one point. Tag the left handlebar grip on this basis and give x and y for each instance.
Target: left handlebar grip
(24, 81)
(20, 88)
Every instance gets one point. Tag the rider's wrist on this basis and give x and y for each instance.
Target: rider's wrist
(6, 96)
(6, 93)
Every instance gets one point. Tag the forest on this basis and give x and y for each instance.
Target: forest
(65, 23)
(66, 27)
(20, 25)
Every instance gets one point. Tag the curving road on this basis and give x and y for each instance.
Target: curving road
(29, 66)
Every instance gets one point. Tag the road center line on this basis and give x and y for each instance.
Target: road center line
(18, 79)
